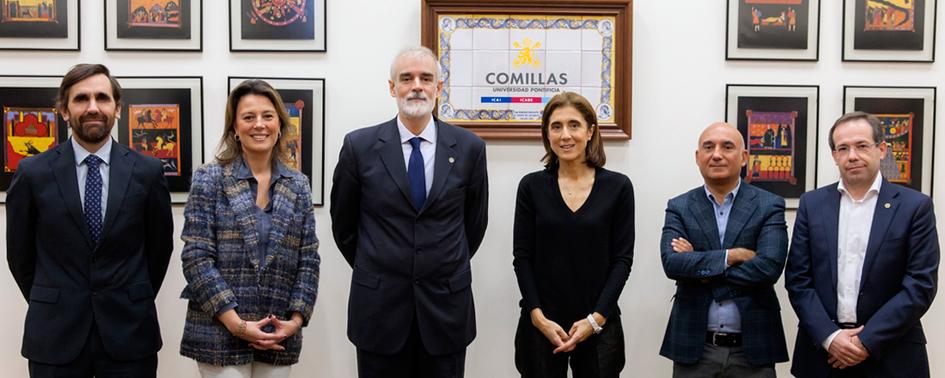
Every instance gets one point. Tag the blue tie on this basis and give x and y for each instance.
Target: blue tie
(418, 184)
(93, 198)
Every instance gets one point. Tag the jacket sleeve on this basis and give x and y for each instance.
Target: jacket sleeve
(346, 202)
(919, 284)
(160, 232)
(305, 288)
(621, 254)
(21, 231)
(690, 267)
(205, 284)
(477, 202)
(771, 251)
(523, 246)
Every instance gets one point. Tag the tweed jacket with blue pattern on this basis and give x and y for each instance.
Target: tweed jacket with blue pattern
(221, 265)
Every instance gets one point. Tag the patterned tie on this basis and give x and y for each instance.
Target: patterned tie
(418, 185)
(93, 197)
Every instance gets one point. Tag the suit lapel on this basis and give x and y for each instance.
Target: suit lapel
(64, 167)
(242, 202)
(742, 209)
(392, 156)
(882, 216)
(282, 200)
(443, 162)
(704, 215)
(831, 216)
(119, 175)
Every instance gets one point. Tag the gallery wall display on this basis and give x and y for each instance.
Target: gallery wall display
(162, 117)
(907, 116)
(277, 25)
(304, 100)
(39, 25)
(154, 25)
(772, 30)
(31, 122)
(502, 61)
(779, 124)
(889, 30)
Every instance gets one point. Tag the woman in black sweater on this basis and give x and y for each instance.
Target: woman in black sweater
(573, 248)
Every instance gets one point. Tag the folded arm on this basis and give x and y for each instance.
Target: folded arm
(766, 266)
(692, 266)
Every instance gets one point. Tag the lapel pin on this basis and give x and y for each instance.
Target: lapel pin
(451, 160)
(887, 205)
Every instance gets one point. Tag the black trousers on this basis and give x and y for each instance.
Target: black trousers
(599, 355)
(94, 361)
(413, 361)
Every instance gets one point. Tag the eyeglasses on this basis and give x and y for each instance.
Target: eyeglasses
(862, 148)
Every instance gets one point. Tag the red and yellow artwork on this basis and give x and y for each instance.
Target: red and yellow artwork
(154, 130)
(890, 15)
(293, 139)
(28, 132)
(28, 11)
(896, 166)
(154, 13)
(771, 147)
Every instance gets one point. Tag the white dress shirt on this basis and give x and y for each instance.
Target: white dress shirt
(853, 235)
(427, 148)
(82, 170)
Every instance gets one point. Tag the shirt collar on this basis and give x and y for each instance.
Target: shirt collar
(874, 188)
(731, 194)
(104, 153)
(428, 134)
(278, 170)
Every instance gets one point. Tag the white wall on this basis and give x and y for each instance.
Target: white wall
(679, 77)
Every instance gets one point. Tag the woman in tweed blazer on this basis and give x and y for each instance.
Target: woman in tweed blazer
(250, 255)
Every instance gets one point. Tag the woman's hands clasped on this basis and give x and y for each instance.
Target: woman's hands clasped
(255, 331)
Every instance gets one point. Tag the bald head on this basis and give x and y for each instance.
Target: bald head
(725, 130)
(721, 155)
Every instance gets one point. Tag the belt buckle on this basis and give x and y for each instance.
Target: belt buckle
(715, 335)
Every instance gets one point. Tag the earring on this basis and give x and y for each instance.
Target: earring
(236, 138)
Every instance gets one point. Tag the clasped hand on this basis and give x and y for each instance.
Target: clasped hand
(847, 349)
(564, 341)
(260, 339)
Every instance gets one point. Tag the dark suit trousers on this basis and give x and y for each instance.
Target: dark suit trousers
(413, 361)
(93, 361)
(599, 355)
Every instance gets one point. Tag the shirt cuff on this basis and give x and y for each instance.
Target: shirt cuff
(725, 260)
(829, 340)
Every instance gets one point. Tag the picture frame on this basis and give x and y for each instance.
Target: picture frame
(780, 126)
(153, 25)
(887, 31)
(304, 99)
(162, 117)
(292, 26)
(772, 30)
(44, 25)
(525, 53)
(31, 124)
(907, 116)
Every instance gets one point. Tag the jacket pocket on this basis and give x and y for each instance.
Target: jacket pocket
(365, 278)
(139, 291)
(460, 281)
(44, 294)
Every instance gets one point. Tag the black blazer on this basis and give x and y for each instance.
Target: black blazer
(71, 283)
(409, 264)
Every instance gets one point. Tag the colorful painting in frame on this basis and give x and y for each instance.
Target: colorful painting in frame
(154, 25)
(162, 117)
(39, 24)
(304, 100)
(889, 30)
(773, 30)
(907, 118)
(30, 124)
(779, 125)
(277, 25)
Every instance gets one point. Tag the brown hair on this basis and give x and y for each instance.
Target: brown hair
(594, 153)
(81, 72)
(229, 148)
(853, 116)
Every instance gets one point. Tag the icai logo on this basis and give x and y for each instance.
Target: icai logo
(525, 56)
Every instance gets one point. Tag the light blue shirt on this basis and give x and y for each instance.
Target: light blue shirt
(427, 148)
(82, 170)
(724, 315)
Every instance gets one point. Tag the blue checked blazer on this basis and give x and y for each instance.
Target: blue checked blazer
(221, 264)
(756, 222)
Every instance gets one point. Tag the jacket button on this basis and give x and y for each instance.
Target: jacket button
(94, 293)
(416, 282)
(417, 251)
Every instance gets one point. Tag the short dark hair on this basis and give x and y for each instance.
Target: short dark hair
(230, 148)
(853, 116)
(81, 72)
(594, 153)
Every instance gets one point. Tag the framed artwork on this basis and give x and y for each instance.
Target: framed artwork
(502, 61)
(889, 30)
(162, 117)
(39, 25)
(277, 25)
(154, 25)
(31, 122)
(304, 100)
(779, 124)
(907, 116)
(772, 30)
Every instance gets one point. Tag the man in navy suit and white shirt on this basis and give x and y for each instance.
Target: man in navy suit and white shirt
(863, 265)
(408, 209)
